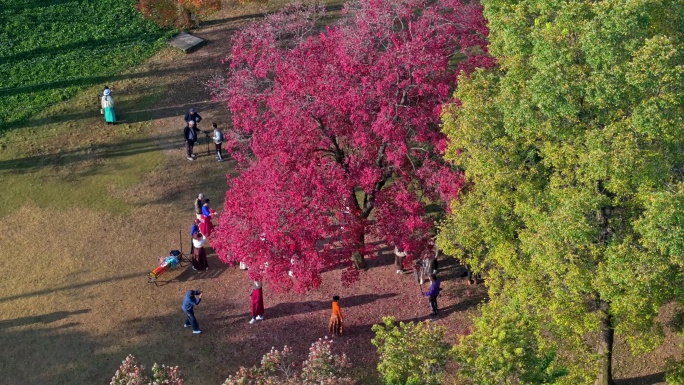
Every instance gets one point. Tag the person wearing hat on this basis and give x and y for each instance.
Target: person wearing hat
(190, 133)
(108, 106)
(193, 115)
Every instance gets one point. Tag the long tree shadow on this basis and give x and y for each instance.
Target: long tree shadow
(649, 379)
(53, 290)
(106, 151)
(43, 319)
(35, 353)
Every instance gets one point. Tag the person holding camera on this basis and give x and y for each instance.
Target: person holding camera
(192, 299)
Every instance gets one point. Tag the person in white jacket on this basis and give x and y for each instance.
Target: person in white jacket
(218, 140)
(108, 106)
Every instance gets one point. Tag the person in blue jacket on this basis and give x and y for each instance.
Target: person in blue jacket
(192, 299)
(433, 292)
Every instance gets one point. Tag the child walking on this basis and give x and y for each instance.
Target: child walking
(335, 324)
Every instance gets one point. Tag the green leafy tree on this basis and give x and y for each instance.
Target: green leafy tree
(573, 154)
(411, 353)
(506, 348)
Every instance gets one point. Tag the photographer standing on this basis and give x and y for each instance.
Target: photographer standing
(192, 299)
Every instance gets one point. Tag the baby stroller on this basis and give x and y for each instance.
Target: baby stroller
(174, 259)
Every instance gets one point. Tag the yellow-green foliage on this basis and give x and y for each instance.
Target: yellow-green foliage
(411, 353)
(572, 150)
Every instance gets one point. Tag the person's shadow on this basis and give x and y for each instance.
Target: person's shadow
(293, 308)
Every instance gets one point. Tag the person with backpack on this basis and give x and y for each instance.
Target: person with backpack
(218, 140)
(190, 133)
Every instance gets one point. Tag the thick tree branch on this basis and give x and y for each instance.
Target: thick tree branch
(337, 151)
(369, 199)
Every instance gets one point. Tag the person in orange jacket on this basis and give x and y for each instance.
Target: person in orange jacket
(335, 325)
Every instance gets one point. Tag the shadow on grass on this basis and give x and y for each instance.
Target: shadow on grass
(649, 379)
(70, 287)
(294, 308)
(215, 270)
(106, 151)
(43, 319)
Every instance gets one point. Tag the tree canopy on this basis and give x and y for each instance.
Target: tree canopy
(337, 135)
(572, 151)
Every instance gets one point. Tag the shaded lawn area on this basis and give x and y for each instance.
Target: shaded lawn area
(53, 48)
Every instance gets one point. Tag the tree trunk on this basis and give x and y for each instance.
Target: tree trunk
(605, 349)
(357, 255)
(184, 18)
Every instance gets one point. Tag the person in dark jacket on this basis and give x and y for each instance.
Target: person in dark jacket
(433, 292)
(190, 132)
(192, 299)
(193, 115)
(194, 229)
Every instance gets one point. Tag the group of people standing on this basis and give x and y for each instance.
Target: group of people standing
(201, 228)
(191, 135)
(190, 132)
(424, 269)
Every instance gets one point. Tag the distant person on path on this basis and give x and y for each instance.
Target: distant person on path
(199, 256)
(198, 205)
(194, 116)
(108, 106)
(190, 133)
(335, 324)
(257, 296)
(432, 293)
(218, 140)
(206, 226)
(192, 299)
(194, 229)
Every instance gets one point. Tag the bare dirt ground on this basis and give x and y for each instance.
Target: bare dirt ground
(74, 299)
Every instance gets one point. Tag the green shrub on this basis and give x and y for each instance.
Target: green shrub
(411, 353)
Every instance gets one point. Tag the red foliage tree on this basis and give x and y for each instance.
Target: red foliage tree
(177, 13)
(337, 133)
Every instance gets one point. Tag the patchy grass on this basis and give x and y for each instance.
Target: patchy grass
(77, 163)
(54, 48)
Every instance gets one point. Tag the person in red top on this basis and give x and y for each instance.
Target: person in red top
(335, 324)
(257, 303)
